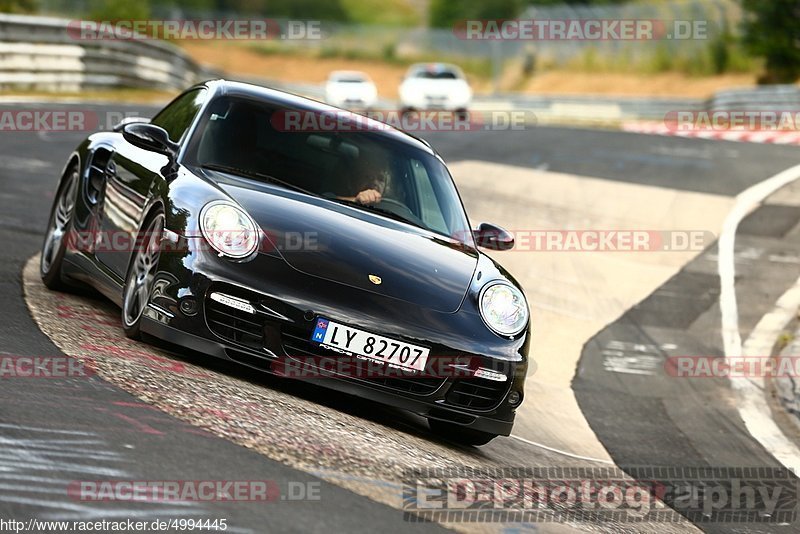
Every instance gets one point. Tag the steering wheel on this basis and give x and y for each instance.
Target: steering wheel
(400, 209)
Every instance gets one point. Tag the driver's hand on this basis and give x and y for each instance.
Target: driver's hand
(368, 197)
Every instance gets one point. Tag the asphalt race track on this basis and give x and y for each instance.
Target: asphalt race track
(158, 413)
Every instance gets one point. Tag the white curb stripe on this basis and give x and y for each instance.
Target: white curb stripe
(743, 136)
(752, 405)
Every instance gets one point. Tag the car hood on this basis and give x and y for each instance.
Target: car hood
(346, 245)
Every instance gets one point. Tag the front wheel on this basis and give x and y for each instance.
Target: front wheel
(55, 240)
(460, 434)
(141, 275)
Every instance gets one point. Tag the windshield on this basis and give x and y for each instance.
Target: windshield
(348, 78)
(436, 75)
(366, 170)
(432, 72)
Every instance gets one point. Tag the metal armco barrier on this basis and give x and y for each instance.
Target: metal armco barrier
(39, 53)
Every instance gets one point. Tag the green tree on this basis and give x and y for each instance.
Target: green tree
(446, 13)
(119, 10)
(18, 6)
(190, 6)
(576, 2)
(772, 31)
(331, 10)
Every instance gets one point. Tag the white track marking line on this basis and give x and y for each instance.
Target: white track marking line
(752, 405)
(745, 203)
(564, 453)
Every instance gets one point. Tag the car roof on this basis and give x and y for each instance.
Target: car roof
(286, 100)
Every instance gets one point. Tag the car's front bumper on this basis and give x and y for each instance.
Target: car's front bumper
(436, 103)
(276, 338)
(498, 422)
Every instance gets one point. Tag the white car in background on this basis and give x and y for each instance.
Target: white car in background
(350, 90)
(435, 86)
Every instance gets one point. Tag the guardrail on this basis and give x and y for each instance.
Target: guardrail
(39, 53)
(590, 108)
(766, 98)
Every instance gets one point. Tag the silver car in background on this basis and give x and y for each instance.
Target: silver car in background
(352, 90)
(435, 86)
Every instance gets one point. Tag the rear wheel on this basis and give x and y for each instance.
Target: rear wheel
(56, 237)
(141, 275)
(460, 434)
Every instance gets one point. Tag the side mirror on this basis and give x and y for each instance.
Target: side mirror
(150, 137)
(130, 120)
(492, 237)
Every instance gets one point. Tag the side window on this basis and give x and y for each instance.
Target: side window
(178, 115)
(431, 211)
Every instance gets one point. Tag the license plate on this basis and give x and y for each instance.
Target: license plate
(351, 340)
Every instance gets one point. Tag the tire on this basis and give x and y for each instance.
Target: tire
(460, 434)
(58, 227)
(140, 278)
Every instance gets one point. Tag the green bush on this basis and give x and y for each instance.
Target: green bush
(772, 30)
(18, 6)
(382, 12)
(389, 52)
(119, 10)
(446, 13)
(664, 59)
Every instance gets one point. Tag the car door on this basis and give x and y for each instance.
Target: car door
(130, 176)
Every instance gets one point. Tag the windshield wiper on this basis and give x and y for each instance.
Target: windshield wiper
(259, 175)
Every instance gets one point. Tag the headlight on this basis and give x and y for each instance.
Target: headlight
(229, 229)
(503, 308)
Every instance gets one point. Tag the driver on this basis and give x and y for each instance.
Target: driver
(368, 181)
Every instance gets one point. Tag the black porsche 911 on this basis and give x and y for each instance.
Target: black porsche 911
(342, 256)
